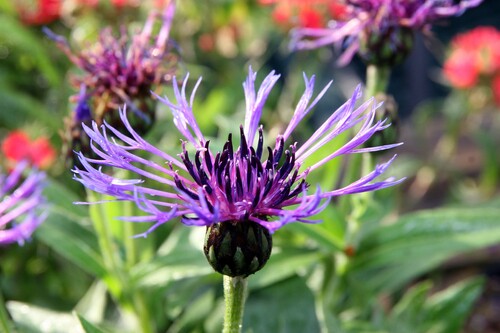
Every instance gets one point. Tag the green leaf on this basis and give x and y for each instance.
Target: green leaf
(287, 306)
(88, 326)
(14, 32)
(282, 265)
(196, 311)
(448, 309)
(393, 255)
(329, 234)
(412, 302)
(72, 240)
(63, 200)
(33, 319)
(17, 107)
(178, 258)
(93, 304)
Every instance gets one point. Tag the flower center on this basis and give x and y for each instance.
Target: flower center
(242, 185)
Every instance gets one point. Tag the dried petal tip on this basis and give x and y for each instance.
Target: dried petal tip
(237, 249)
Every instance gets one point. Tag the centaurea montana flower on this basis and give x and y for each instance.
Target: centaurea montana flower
(20, 200)
(380, 31)
(123, 70)
(239, 187)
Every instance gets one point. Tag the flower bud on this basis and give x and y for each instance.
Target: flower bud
(237, 248)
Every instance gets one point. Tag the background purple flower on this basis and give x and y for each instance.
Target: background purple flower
(253, 181)
(123, 69)
(116, 71)
(20, 199)
(372, 20)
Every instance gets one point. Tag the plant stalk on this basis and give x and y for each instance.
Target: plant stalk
(377, 80)
(234, 295)
(5, 325)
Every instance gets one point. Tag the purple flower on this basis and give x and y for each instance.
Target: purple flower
(123, 69)
(250, 182)
(370, 21)
(20, 199)
(82, 110)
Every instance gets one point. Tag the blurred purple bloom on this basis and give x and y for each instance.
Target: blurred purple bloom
(82, 110)
(248, 183)
(377, 17)
(20, 199)
(122, 69)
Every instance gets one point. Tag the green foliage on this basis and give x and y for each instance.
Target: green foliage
(393, 255)
(88, 326)
(364, 269)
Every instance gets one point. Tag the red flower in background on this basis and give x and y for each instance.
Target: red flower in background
(473, 55)
(305, 13)
(18, 147)
(44, 12)
(496, 89)
(460, 70)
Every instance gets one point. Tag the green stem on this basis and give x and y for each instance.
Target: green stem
(5, 325)
(234, 296)
(142, 312)
(118, 279)
(129, 241)
(377, 80)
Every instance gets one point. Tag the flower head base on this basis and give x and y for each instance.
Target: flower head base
(236, 248)
(248, 183)
(377, 27)
(20, 199)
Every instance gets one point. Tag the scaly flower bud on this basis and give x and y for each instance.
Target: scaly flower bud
(237, 248)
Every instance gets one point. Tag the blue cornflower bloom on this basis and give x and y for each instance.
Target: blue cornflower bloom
(20, 200)
(374, 27)
(252, 183)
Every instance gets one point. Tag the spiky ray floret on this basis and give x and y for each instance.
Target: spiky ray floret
(252, 182)
(20, 200)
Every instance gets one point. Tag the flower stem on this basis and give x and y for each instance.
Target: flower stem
(377, 80)
(5, 325)
(234, 296)
(118, 279)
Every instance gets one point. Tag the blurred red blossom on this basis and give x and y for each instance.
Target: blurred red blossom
(474, 58)
(17, 147)
(43, 12)
(496, 89)
(305, 13)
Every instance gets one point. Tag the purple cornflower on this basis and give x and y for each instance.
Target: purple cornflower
(382, 26)
(20, 199)
(123, 70)
(250, 183)
(74, 137)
